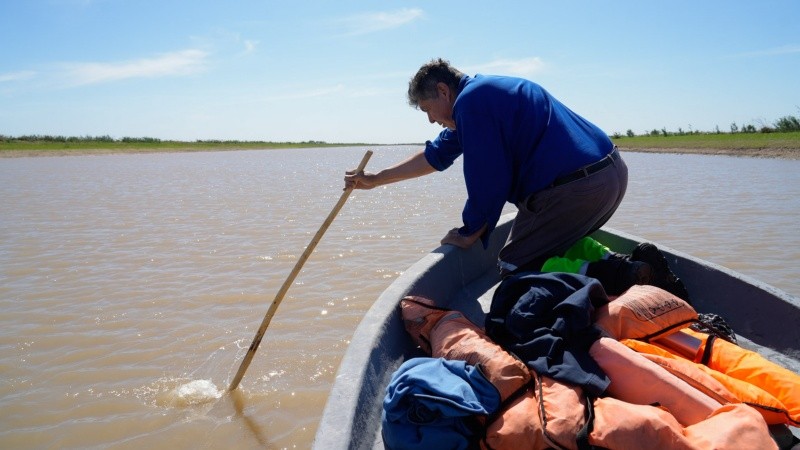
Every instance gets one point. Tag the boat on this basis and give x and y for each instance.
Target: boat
(764, 318)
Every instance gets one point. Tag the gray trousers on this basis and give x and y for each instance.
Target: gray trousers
(550, 221)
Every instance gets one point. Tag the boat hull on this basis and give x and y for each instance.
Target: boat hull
(465, 280)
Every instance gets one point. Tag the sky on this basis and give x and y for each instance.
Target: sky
(338, 70)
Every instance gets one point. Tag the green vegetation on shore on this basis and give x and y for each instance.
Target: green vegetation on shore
(769, 144)
(63, 143)
(784, 134)
(721, 141)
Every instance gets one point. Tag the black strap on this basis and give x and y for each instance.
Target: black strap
(582, 438)
(707, 351)
(585, 171)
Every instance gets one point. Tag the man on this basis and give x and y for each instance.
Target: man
(520, 145)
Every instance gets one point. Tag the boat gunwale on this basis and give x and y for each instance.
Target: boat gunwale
(351, 417)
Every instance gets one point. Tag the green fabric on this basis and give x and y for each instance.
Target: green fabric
(559, 264)
(586, 249)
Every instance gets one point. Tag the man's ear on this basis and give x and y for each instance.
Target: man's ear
(443, 89)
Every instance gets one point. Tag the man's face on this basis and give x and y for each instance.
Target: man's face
(440, 109)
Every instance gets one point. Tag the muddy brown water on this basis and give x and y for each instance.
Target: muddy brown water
(126, 278)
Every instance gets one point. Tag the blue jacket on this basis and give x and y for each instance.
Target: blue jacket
(516, 139)
(546, 320)
(430, 403)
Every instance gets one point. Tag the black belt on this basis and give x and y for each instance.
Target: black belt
(585, 171)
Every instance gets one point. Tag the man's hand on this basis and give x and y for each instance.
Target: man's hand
(360, 180)
(414, 166)
(453, 237)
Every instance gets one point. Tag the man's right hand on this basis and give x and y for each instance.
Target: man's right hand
(359, 180)
(414, 166)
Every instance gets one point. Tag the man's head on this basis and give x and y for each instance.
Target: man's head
(433, 90)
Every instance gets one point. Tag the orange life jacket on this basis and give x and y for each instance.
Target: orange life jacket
(644, 312)
(538, 412)
(648, 314)
(542, 413)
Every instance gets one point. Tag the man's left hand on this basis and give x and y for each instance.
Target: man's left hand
(453, 237)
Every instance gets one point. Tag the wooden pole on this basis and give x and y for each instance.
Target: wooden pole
(286, 284)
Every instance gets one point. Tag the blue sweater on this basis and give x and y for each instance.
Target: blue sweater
(430, 403)
(516, 139)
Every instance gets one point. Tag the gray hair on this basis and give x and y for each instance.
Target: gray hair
(423, 85)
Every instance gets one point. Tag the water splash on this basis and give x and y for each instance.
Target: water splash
(195, 392)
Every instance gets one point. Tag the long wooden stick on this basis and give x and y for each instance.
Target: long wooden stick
(286, 284)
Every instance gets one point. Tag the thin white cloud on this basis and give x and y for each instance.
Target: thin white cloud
(78, 3)
(185, 62)
(524, 67)
(366, 23)
(321, 92)
(16, 76)
(783, 50)
(376, 91)
(249, 46)
(312, 93)
(225, 42)
(290, 94)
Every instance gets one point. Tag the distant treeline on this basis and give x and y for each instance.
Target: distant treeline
(787, 124)
(136, 140)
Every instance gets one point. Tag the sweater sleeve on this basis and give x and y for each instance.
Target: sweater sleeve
(443, 151)
(488, 173)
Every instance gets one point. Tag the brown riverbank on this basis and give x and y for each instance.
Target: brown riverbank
(29, 153)
(134, 149)
(781, 153)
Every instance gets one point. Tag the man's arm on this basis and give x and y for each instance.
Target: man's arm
(413, 167)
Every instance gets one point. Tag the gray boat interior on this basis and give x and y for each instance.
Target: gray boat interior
(765, 319)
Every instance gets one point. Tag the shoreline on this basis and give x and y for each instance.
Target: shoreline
(776, 153)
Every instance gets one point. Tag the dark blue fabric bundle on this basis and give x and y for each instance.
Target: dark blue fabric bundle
(430, 403)
(546, 320)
